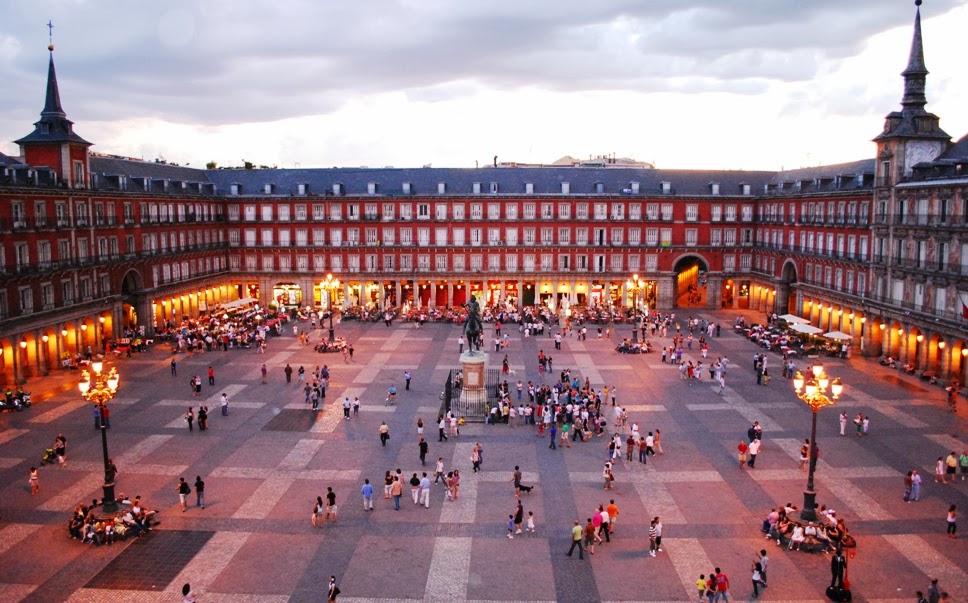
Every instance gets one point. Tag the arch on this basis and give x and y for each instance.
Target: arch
(132, 283)
(690, 280)
(786, 301)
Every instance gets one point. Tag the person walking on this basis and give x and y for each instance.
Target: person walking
(288, 372)
(425, 490)
(915, 485)
(265, 373)
(333, 591)
(385, 435)
(439, 471)
(415, 489)
(317, 515)
(554, 437)
(367, 492)
(754, 449)
(764, 562)
(908, 486)
(576, 538)
(952, 522)
(202, 418)
(407, 376)
(757, 577)
(396, 491)
(722, 586)
(424, 448)
(475, 459)
(183, 490)
(34, 481)
(174, 368)
(225, 404)
(199, 492)
(331, 504)
(60, 449)
(741, 449)
(653, 535)
(441, 428)
(346, 408)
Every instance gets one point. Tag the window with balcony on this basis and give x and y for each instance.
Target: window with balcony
(665, 237)
(692, 237)
(692, 212)
(652, 211)
(564, 211)
(581, 211)
(511, 237)
(529, 236)
(477, 211)
(564, 236)
(651, 237)
(581, 236)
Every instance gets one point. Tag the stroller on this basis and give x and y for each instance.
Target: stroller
(49, 457)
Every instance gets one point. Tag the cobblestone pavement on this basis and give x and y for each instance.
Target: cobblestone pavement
(265, 463)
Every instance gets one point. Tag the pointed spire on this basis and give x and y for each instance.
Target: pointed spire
(915, 75)
(52, 106)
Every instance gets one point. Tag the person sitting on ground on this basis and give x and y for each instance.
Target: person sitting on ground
(782, 528)
(810, 533)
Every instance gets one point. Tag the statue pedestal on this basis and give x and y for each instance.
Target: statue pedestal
(473, 396)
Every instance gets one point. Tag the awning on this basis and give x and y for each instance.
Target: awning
(794, 320)
(806, 329)
(245, 301)
(837, 335)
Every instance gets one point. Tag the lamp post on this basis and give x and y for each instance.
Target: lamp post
(99, 390)
(813, 391)
(331, 284)
(636, 285)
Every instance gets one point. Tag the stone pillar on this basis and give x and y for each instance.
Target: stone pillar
(666, 296)
(473, 395)
(714, 292)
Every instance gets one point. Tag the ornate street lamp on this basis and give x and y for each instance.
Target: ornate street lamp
(813, 391)
(331, 284)
(636, 285)
(99, 390)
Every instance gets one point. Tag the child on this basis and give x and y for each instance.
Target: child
(510, 526)
(701, 585)
(530, 528)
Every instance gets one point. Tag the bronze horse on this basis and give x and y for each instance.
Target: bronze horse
(473, 326)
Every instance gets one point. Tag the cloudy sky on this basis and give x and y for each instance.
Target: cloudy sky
(745, 84)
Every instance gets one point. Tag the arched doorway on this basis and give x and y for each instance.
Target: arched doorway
(691, 281)
(132, 291)
(786, 301)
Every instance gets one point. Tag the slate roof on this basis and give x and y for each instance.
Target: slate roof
(145, 169)
(7, 160)
(53, 125)
(510, 181)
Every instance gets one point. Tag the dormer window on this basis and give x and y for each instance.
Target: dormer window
(635, 187)
(302, 188)
(494, 188)
(713, 188)
(371, 188)
(746, 189)
(599, 187)
(529, 188)
(406, 188)
(441, 188)
(44, 128)
(235, 189)
(477, 188)
(565, 188)
(666, 188)
(269, 189)
(337, 189)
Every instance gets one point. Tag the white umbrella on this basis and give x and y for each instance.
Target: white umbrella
(807, 329)
(794, 320)
(837, 335)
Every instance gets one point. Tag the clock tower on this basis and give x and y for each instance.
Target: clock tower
(911, 135)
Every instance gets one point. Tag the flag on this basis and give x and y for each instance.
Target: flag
(964, 304)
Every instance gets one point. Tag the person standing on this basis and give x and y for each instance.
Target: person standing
(385, 435)
(554, 437)
(190, 419)
(407, 376)
(346, 408)
(653, 535)
(576, 537)
(330, 504)
(741, 449)
(658, 534)
(804, 454)
(225, 404)
(952, 522)
(202, 418)
(757, 578)
(754, 449)
(183, 490)
(764, 561)
(843, 423)
(367, 492)
(518, 517)
(475, 459)
(439, 471)
(288, 372)
(211, 376)
(265, 373)
(915, 485)
(333, 590)
(34, 481)
(934, 595)
(174, 368)
(424, 448)
(837, 566)
(441, 429)
(199, 492)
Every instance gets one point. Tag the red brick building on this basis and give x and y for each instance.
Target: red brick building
(96, 244)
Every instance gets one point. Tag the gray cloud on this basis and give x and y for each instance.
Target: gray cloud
(221, 62)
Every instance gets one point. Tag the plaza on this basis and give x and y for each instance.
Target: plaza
(266, 462)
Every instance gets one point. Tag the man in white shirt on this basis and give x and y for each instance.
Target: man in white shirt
(425, 490)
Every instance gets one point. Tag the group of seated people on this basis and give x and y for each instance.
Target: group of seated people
(330, 346)
(828, 534)
(630, 347)
(90, 528)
